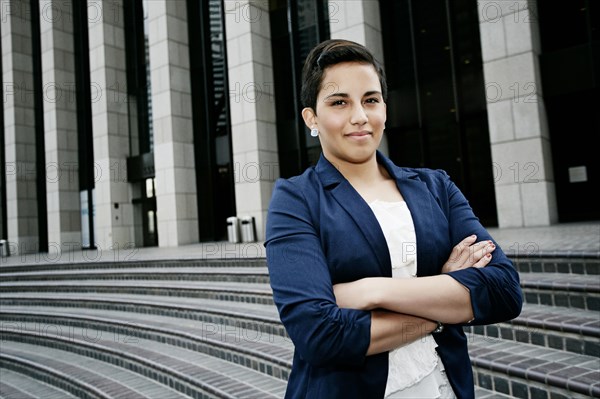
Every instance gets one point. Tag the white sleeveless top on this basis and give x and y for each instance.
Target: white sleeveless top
(415, 370)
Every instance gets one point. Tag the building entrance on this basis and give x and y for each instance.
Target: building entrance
(437, 113)
(570, 64)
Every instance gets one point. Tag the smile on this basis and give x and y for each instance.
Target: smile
(362, 135)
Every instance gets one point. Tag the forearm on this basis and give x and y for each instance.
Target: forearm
(390, 330)
(439, 298)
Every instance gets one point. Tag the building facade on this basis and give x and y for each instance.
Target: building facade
(130, 123)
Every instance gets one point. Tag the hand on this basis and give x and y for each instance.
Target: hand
(468, 253)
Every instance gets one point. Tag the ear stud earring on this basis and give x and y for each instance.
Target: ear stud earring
(314, 132)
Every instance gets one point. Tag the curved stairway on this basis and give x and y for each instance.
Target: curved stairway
(208, 328)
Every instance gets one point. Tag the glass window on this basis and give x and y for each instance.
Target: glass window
(296, 27)
(437, 112)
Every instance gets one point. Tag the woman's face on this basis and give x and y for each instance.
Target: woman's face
(350, 114)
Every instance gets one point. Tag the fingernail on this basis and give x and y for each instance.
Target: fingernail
(488, 256)
(473, 236)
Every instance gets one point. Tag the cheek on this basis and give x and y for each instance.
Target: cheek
(377, 118)
(333, 122)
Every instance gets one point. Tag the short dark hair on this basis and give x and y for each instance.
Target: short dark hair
(330, 53)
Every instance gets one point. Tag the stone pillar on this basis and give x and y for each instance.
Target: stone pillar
(510, 44)
(252, 105)
(359, 21)
(176, 200)
(19, 127)
(60, 125)
(114, 211)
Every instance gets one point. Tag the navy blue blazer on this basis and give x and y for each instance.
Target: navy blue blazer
(321, 232)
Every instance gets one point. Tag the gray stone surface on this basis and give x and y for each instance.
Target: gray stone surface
(569, 239)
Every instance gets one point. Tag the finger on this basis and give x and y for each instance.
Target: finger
(480, 249)
(460, 252)
(483, 262)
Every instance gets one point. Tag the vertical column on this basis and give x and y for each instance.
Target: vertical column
(359, 21)
(19, 126)
(251, 100)
(114, 211)
(525, 191)
(176, 200)
(60, 125)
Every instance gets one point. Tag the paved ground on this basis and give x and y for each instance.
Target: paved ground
(569, 239)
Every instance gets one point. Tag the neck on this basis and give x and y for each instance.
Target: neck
(359, 173)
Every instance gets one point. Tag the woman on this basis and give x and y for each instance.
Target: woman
(374, 268)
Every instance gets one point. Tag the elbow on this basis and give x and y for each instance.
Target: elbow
(334, 341)
(512, 303)
(516, 304)
(332, 352)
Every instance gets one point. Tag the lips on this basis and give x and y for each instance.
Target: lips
(362, 133)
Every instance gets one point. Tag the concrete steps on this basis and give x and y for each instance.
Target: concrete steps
(17, 385)
(552, 350)
(187, 371)
(208, 328)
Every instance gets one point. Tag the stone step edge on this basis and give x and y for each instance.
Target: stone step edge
(133, 263)
(18, 364)
(559, 286)
(585, 330)
(180, 308)
(551, 254)
(559, 382)
(93, 322)
(577, 267)
(225, 294)
(144, 273)
(483, 393)
(10, 391)
(553, 326)
(504, 386)
(109, 372)
(549, 339)
(127, 356)
(209, 286)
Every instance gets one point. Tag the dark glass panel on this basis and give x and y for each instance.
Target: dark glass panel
(296, 27)
(211, 120)
(85, 139)
(570, 66)
(437, 114)
(3, 211)
(40, 148)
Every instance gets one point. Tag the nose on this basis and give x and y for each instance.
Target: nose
(359, 116)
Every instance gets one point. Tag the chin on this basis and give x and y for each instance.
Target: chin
(360, 156)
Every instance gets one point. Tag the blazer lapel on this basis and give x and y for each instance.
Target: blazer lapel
(349, 199)
(419, 201)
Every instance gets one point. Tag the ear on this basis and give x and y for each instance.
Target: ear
(310, 118)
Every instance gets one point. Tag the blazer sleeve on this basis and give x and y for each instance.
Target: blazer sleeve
(323, 333)
(495, 290)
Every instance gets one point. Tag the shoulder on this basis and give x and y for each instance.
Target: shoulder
(296, 191)
(433, 178)
(427, 175)
(301, 184)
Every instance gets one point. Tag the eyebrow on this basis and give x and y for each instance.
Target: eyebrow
(345, 95)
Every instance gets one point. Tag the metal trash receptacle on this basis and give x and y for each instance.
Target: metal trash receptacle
(233, 229)
(3, 248)
(248, 229)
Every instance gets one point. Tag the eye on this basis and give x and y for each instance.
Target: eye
(372, 100)
(338, 103)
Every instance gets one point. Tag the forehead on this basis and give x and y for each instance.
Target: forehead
(349, 77)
